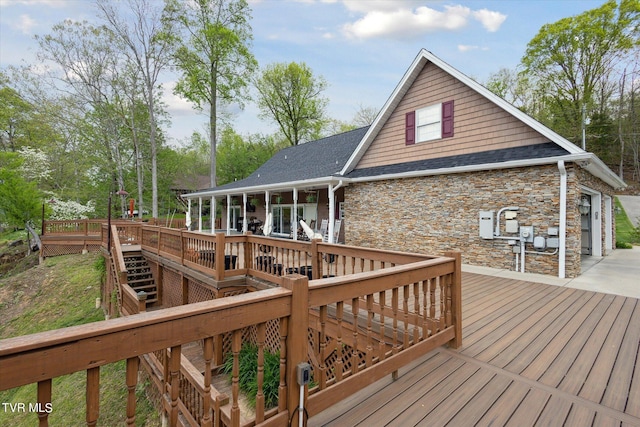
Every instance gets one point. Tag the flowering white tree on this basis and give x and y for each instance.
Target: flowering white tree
(62, 210)
(35, 165)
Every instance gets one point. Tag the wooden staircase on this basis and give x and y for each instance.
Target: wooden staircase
(140, 277)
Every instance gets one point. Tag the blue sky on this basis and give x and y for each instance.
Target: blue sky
(361, 47)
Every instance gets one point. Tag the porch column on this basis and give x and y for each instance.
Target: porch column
(188, 221)
(295, 214)
(228, 214)
(244, 213)
(200, 214)
(332, 212)
(267, 206)
(213, 215)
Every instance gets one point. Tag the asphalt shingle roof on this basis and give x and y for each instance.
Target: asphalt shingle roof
(315, 159)
(537, 151)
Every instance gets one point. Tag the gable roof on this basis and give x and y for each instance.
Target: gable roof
(331, 159)
(314, 160)
(407, 81)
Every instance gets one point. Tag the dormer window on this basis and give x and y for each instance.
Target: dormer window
(429, 123)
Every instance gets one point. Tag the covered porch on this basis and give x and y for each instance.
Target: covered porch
(320, 203)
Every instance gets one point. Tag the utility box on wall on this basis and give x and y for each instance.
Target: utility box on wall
(486, 225)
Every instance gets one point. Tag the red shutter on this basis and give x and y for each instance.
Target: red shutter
(410, 128)
(447, 119)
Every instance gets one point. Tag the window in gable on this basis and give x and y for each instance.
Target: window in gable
(429, 123)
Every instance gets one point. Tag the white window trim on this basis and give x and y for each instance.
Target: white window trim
(418, 125)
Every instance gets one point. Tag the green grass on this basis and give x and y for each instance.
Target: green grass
(626, 234)
(62, 292)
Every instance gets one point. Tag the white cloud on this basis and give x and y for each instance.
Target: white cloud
(470, 47)
(490, 20)
(48, 3)
(24, 24)
(467, 47)
(398, 19)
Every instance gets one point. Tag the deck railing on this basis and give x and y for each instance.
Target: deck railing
(364, 314)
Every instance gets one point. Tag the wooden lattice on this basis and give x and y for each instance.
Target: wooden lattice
(171, 288)
(199, 292)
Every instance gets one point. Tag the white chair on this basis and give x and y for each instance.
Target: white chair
(324, 230)
(336, 230)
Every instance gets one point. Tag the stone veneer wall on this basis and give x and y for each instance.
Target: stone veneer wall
(435, 214)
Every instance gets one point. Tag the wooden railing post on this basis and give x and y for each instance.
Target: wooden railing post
(297, 339)
(248, 251)
(206, 407)
(93, 396)
(132, 381)
(219, 256)
(456, 298)
(316, 264)
(44, 402)
(174, 383)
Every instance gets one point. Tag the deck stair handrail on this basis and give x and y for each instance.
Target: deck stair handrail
(128, 300)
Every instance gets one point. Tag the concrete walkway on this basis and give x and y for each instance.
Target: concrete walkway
(618, 273)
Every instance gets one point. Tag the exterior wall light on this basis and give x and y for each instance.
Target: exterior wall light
(584, 206)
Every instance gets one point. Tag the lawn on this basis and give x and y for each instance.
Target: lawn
(626, 234)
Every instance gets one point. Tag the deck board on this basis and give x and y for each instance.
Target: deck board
(532, 354)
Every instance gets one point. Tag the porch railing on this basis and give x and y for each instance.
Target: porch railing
(364, 314)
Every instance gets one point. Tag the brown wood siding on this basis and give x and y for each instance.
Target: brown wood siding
(479, 125)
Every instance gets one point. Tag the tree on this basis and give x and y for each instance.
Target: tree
(19, 197)
(573, 58)
(365, 116)
(290, 95)
(238, 158)
(213, 56)
(149, 52)
(92, 73)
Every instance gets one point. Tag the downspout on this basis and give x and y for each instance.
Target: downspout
(563, 220)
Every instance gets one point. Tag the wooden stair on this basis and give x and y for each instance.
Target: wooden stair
(140, 277)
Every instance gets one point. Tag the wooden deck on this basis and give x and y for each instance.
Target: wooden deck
(532, 354)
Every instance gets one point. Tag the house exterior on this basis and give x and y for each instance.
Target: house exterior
(446, 165)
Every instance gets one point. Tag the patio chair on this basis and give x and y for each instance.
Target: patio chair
(336, 230)
(324, 230)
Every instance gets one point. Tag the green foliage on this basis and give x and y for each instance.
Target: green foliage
(248, 376)
(213, 56)
(237, 158)
(20, 200)
(290, 95)
(571, 59)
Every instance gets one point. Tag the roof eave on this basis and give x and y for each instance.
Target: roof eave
(588, 161)
(281, 186)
